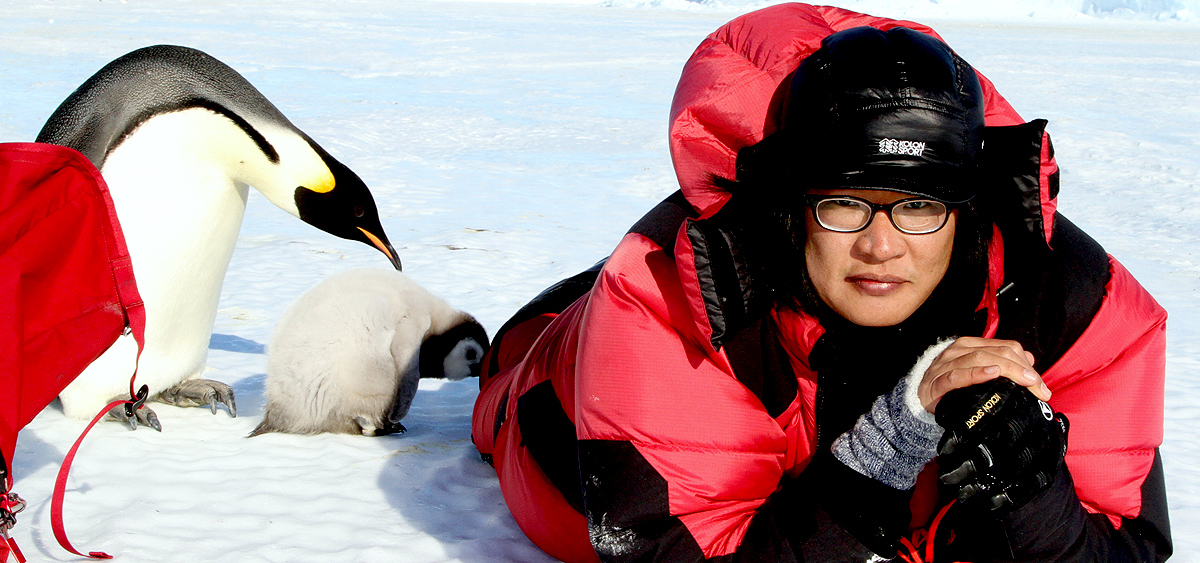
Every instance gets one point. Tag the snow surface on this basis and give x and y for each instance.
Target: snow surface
(510, 145)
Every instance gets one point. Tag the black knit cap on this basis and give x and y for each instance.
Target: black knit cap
(893, 110)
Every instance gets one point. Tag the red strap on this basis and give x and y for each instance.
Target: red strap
(10, 545)
(913, 555)
(925, 537)
(10, 505)
(60, 485)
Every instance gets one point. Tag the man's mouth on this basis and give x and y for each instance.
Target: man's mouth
(876, 285)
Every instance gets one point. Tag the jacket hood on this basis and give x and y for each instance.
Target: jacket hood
(732, 89)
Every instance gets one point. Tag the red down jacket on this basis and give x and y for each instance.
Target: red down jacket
(627, 424)
(67, 285)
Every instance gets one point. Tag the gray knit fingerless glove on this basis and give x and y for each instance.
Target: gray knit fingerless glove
(893, 441)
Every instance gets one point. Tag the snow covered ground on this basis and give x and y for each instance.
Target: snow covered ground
(510, 145)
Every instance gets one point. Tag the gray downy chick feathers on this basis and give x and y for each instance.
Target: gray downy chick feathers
(347, 355)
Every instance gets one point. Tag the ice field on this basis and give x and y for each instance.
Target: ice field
(509, 145)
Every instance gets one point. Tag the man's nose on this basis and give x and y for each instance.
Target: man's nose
(880, 241)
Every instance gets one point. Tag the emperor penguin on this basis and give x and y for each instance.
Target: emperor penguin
(348, 354)
(179, 137)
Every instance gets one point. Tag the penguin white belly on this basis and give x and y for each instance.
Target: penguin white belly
(84, 397)
(180, 215)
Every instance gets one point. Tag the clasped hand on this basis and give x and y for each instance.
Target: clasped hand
(1003, 444)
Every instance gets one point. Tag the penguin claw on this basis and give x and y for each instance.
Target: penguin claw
(147, 417)
(200, 392)
(143, 416)
(229, 404)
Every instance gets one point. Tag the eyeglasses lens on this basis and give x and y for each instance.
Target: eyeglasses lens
(919, 216)
(916, 216)
(843, 214)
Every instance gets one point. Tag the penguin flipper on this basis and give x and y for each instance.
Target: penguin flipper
(199, 393)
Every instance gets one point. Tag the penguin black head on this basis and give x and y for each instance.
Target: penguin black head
(344, 208)
(455, 354)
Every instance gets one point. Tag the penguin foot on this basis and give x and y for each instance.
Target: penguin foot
(390, 427)
(198, 393)
(368, 428)
(143, 416)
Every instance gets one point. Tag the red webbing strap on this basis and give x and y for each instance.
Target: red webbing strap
(10, 545)
(913, 546)
(923, 537)
(60, 486)
(10, 505)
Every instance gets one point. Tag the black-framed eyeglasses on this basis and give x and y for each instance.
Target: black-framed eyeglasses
(848, 214)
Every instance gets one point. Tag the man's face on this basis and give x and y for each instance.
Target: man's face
(878, 276)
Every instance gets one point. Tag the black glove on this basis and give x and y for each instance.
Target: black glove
(1002, 445)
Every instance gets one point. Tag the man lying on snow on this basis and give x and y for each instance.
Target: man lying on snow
(834, 343)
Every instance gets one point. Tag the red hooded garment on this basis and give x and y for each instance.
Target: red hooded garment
(67, 284)
(624, 425)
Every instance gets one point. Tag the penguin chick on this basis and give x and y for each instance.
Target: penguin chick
(179, 137)
(347, 355)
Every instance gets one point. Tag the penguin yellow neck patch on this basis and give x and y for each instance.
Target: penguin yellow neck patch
(323, 185)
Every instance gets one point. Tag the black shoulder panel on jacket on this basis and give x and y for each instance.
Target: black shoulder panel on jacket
(1054, 294)
(761, 364)
(1151, 530)
(627, 507)
(629, 514)
(726, 283)
(1012, 160)
(662, 223)
(730, 285)
(549, 435)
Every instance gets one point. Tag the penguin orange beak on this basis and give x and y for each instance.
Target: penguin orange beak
(385, 248)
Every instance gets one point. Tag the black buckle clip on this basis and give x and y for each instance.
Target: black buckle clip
(135, 404)
(10, 505)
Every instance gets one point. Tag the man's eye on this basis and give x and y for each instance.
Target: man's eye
(917, 205)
